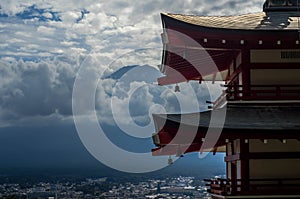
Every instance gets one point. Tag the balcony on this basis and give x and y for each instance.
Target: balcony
(281, 5)
(254, 187)
(263, 92)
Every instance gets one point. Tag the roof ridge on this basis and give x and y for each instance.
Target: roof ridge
(193, 15)
(253, 21)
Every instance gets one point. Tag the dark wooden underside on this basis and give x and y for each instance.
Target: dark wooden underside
(244, 121)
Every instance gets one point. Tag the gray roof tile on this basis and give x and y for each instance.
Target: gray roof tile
(261, 20)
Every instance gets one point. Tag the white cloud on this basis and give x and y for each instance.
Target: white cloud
(70, 17)
(36, 89)
(45, 30)
(47, 15)
(117, 33)
(12, 7)
(107, 26)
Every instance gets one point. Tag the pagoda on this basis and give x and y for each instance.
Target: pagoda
(257, 57)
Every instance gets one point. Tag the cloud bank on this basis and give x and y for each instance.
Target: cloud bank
(43, 44)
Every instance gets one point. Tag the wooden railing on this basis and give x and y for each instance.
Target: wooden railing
(256, 92)
(263, 92)
(283, 5)
(228, 187)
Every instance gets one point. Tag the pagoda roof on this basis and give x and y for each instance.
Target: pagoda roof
(248, 121)
(254, 21)
(242, 121)
(245, 116)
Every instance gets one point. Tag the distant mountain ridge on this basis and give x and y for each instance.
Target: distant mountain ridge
(120, 72)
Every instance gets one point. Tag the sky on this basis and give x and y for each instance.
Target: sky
(45, 45)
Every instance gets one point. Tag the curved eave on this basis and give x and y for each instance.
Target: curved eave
(259, 22)
(207, 65)
(254, 116)
(183, 149)
(258, 122)
(243, 121)
(215, 35)
(166, 138)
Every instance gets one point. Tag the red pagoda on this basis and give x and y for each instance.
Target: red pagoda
(257, 57)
